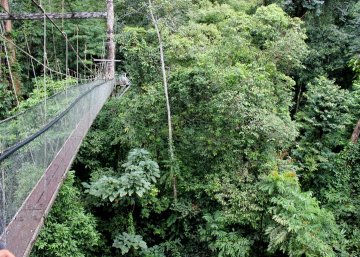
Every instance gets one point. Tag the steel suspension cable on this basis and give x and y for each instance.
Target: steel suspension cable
(54, 49)
(29, 55)
(45, 102)
(62, 32)
(31, 60)
(77, 52)
(3, 200)
(44, 60)
(57, 27)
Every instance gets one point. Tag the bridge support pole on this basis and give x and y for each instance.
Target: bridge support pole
(110, 66)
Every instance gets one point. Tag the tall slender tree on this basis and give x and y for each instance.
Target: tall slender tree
(11, 51)
(168, 108)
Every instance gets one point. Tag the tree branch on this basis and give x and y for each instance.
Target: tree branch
(356, 133)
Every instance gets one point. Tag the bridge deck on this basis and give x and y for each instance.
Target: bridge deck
(22, 231)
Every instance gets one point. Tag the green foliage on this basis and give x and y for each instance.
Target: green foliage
(99, 144)
(327, 42)
(43, 89)
(352, 28)
(325, 112)
(5, 101)
(248, 6)
(300, 7)
(274, 206)
(355, 101)
(323, 121)
(69, 230)
(26, 179)
(126, 241)
(139, 53)
(234, 68)
(139, 174)
(221, 241)
(355, 64)
(298, 225)
(226, 108)
(341, 195)
(231, 92)
(331, 32)
(168, 248)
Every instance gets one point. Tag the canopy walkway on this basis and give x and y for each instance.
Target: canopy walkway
(37, 149)
(38, 146)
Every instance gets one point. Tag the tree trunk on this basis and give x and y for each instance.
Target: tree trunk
(170, 140)
(355, 134)
(11, 50)
(110, 71)
(8, 23)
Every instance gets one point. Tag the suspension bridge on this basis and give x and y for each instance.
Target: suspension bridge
(38, 146)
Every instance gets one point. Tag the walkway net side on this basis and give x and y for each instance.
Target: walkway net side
(15, 129)
(30, 141)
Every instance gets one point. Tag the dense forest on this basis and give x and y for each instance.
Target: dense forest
(263, 159)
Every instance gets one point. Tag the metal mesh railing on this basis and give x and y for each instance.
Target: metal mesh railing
(31, 141)
(19, 127)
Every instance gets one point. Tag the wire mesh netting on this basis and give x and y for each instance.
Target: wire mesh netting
(29, 143)
(19, 127)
